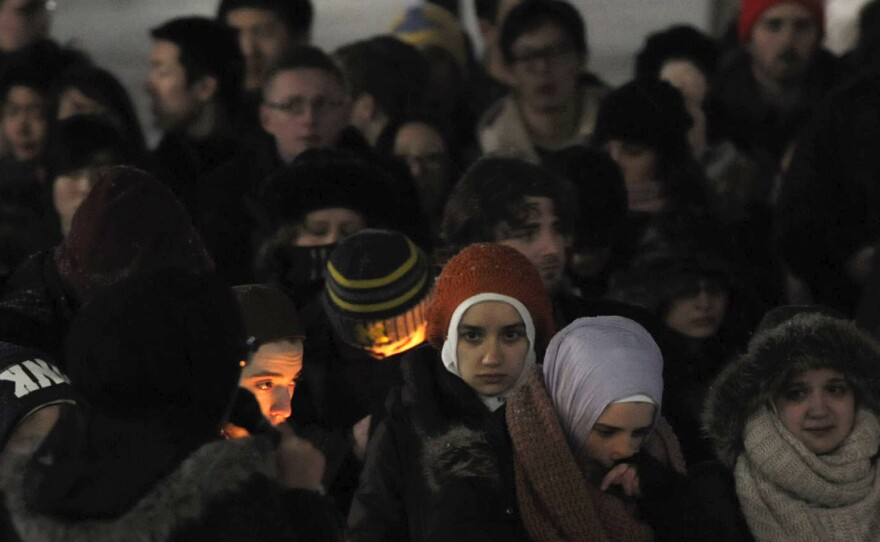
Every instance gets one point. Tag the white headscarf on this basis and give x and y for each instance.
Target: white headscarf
(595, 362)
(449, 353)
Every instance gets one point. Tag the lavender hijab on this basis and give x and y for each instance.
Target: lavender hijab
(595, 362)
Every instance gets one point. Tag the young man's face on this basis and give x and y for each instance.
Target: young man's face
(545, 69)
(539, 239)
(263, 39)
(783, 42)
(271, 376)
(173, 102)
(304, 108)
(24, 122)
(22, 22)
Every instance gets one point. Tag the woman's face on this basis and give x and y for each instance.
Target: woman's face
(639, 165)
(69, 190)
(818, 407)
(492, 347)
(700, 313)
(618, 434)
(328, 226)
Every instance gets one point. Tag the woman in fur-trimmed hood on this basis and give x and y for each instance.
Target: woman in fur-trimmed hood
(795, 426)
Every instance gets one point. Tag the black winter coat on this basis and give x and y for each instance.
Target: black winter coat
(439, 466)
(710, 507)
(224, 491)
(37, 307)
(829, 204)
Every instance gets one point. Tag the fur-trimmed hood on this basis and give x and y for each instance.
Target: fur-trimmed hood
(806, 341)
(214, 471)
(458, 454)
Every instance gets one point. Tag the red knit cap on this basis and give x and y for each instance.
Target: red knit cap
(750, 10)
(489, 268)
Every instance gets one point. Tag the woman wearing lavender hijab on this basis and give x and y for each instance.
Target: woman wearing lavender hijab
(593, 459)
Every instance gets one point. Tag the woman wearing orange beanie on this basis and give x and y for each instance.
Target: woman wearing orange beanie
(489, 322)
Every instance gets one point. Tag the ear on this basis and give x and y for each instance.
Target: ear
(205, 88)
(363, 109)
(265, 118)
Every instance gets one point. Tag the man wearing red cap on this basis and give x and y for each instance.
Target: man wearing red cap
(764, 93)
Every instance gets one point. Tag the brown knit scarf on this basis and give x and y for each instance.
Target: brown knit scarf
(556, 501)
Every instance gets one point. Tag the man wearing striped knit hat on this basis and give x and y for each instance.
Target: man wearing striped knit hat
(370, 314)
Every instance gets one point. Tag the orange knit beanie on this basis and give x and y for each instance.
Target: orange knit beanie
(489, 268)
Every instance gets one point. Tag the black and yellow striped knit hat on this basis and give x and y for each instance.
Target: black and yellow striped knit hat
(377, 286)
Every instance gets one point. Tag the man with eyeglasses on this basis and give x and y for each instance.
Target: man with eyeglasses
(554, 103)
(305, 105)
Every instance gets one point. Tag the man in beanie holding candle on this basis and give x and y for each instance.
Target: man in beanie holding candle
(764, 93)
(371, 312)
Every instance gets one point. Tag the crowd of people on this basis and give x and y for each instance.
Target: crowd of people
(397, 292)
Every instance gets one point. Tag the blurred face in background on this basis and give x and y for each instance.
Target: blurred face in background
(263, 39)
(328, 226)
(784, 39)
(304, 108)
(545, 69)
(174, 102)
(23, 22)
(698, 312)
(639, 165)
(24, 122)
(539, 239)
(423, 150)
(71, 188)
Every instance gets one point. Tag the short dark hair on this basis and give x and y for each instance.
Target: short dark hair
(207, 48)
(487, 10)
(84, 140)
(492, 191)
(680, 42)
(394, 73)
(307, 57)
(533, 14)
(297, 15)
(102, 86)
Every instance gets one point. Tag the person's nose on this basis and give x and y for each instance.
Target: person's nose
(703, 301)
(817, 405)
(550, 243)
(280, 408)
(247, 44)
(492, 357)
(622, 447)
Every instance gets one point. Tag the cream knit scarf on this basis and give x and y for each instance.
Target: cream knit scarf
(789, 493)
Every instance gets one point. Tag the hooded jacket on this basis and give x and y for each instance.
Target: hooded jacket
(804, 342)
(434, 418)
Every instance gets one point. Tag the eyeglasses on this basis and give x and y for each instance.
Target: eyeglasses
(298, 106)
(529, 58)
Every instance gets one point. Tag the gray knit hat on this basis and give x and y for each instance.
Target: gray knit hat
(376, 288)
